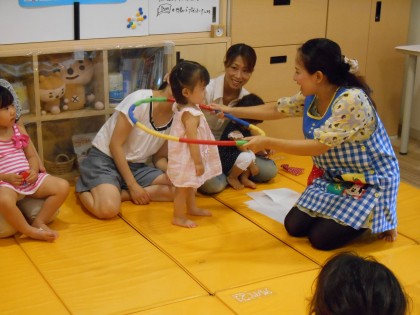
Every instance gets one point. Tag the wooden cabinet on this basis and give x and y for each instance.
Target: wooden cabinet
(366, 30)
(211, 54)
(118, 69)
(275, 29)
(381, 25)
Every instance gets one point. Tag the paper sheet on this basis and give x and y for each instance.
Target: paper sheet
(274, 203)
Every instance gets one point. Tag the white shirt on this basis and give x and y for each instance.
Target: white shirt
(140, 145)
(214, 94)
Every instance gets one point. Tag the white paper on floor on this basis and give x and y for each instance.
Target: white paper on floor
(274, 203)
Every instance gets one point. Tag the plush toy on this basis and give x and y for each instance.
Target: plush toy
(51, 90)
(77, 76)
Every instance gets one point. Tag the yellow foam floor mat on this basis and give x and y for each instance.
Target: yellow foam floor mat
(224, 251)
(208, 305)
(106, 267)
(304, 162)
(409, 211)
(23, 289)
(283, 295)
(404, 262)
(364, 245)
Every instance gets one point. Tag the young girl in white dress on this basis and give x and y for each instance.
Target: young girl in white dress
(20, 177)
(190, 165)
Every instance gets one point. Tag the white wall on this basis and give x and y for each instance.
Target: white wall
(414, 39)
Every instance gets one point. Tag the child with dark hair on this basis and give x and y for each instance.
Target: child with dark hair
(239, 164)
(20, 176)
(349, 284)
(190, 165)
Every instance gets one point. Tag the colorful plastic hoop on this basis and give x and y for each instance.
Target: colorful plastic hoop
(186, 140)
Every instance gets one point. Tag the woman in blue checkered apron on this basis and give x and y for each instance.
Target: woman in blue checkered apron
(354, 183)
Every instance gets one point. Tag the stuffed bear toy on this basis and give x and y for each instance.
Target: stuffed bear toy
(51, 91)
(77, 75)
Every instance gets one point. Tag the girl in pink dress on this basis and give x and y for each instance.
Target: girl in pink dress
(190, 165)
(20, 177)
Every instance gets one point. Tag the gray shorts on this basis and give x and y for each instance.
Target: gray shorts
(98, 168)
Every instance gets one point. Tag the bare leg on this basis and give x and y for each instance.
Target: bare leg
(161, 189)
(55, 191)
(254, 169)
(103, 201)
(180, 207)
(15, 218)
(244, 178)
(389, 236)
(232, 178)
(192, 208)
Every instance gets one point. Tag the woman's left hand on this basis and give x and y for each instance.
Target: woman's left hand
(255, 144)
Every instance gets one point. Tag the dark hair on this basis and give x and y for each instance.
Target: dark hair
(251, 100)
(322, 54)
(243, 50)
(186, 74)
(6, 97)
(349, 284)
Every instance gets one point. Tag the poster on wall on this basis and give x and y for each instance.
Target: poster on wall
(182, 16)
(115, 20)
(47, 3)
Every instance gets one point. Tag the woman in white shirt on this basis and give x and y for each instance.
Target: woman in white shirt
(228, 89)
(117, 169)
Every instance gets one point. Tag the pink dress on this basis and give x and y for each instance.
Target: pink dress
(181, 168)
(13, 160)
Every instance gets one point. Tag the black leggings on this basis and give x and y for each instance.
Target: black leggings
(324, 234)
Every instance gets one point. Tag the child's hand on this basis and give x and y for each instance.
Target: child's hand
(30, 176)
(199, 169)
(13, 179)
(219, 110)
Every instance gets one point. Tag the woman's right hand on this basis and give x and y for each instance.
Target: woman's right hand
(139, 195)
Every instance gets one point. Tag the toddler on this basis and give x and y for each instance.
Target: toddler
(239, 164)
(190, 165)
(20, 177)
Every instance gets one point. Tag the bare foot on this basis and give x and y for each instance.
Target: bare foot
(184, 222)
(389, 236)
(247, 182)
(235, 183)
(254, 169)
(200, 212)
(41, 234)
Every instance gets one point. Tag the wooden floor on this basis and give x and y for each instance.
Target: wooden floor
(409, 163)
(236, 262)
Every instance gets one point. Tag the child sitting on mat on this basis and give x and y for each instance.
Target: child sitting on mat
(20, 177)
(239, 164)
(190, 165)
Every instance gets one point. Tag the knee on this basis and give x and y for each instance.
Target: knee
(214, 185)
(107, 210)
(268, 170)
(62, 187)
(321, 242)
(6, 230)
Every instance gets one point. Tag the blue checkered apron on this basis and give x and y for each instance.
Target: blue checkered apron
(374, 158)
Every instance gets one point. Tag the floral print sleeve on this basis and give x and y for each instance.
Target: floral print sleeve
(291, 106)
(352, 119)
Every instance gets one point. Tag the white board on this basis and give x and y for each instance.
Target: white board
(25, 25)
(54, 23)
(182, 16)
(111, 20)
